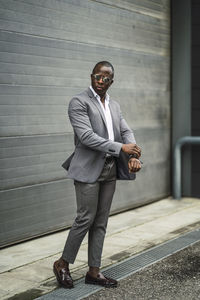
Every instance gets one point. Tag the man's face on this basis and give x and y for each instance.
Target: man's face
(101, 83)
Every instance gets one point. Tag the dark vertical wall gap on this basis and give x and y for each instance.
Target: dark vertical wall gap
(195, 103)
(181, 84)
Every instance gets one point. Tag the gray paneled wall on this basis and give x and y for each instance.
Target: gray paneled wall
(47, 51)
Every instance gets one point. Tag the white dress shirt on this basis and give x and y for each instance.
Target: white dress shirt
(107, 114)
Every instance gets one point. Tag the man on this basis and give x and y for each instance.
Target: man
(103, 141)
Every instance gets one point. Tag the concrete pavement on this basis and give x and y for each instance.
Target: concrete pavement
(26, 268)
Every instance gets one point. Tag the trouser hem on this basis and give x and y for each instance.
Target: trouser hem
(70, 261)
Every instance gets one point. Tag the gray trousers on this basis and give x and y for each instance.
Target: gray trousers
(93, 207)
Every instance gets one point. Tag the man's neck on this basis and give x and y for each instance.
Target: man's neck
(103, 99)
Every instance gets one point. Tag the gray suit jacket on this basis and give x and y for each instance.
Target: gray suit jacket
(91, 139)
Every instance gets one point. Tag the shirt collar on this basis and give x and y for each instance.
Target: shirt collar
(97, 96)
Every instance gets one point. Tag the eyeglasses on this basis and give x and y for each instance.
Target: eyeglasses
(104, 79)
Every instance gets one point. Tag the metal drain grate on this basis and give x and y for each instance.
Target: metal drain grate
(127, 267)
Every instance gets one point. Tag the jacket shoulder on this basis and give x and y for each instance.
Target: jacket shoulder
(81, 97)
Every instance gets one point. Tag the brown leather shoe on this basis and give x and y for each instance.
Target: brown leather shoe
(63, 275)
(106, 282)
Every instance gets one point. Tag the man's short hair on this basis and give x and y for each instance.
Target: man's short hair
(104, 63)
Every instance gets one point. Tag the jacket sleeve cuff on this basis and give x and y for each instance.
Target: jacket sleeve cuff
(115, 150)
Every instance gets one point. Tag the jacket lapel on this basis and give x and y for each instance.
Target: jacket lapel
(96, 103)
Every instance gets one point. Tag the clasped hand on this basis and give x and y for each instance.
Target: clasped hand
(132, 149)
(134, 165)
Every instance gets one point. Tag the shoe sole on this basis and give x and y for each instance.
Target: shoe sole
(60, 283)
(106, 286)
